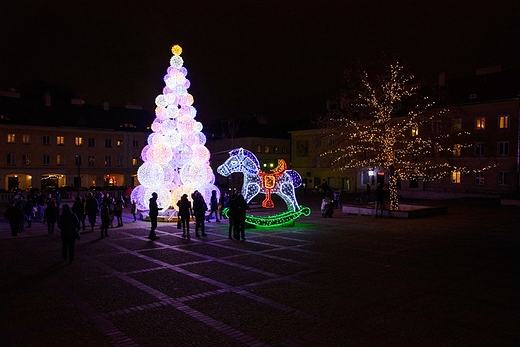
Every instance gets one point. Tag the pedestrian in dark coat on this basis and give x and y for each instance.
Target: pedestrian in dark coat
(79, 210)
(50, 215)
(69, 226)
(134, 209)
(232, 204)
(105, 220)
(118, 211)
(240, 217)
(213, 206)
(92, 209)
(14, 216)
(153, 213)
(380, 198)
(184, 214)
(29, 213)
(199, 209)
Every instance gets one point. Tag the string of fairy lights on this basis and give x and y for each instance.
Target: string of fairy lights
(395, 143)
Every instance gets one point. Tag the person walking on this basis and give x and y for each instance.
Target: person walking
(153, 213)
(199, 209)
(213, 206)
(184, 214)
(232, 204)
(69, 226)
(105, 220)
(14, 216)
(240, 217)
(118, 211)
(92, 209)
(380, 198)
(134, 210)
(29, 212)
(50, 215)
(79, 209)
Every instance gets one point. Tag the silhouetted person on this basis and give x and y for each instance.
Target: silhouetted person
(134, 209)
(14, 216)
(118, 211)
(105, 220)
(380, 198)
(199, 209)
(50, 215)
(232, 204)
(69, 226)
(79, 209)
(367, 192)
(240, 217)
(92, 209)
(153, 213)
(184, 214)
(213, 206)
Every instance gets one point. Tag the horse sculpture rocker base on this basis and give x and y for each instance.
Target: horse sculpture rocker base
(279, 181)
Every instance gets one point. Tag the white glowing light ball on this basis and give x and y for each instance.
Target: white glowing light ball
(191, 140)
(177, 193)
(170, 98)
(176, 61)
(187, 84)
(189, 99)
(150, 138)
(149, 174)
(173, 139)
(200, 154)
(162, 154)
(158, 139)
(201, 138)
(138, 195)
(193, 174)
(144, 153)
(160, 112)
(184, 71)
(160, 100)
(156, 127)
(172, 111)
(197, 127)
(169, 126)
(164, 197)
(205, 190)
(182, 154)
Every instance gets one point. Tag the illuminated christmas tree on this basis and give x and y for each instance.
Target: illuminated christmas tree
(176, 160)
(387, 124)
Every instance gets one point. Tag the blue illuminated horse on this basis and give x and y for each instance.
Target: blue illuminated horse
(279, 181)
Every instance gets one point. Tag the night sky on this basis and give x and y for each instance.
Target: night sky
(279, 58)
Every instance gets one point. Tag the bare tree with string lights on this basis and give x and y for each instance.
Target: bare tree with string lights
(386, 122)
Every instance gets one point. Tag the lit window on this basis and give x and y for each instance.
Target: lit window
(502, 178)
(26, 138)
(26, 159)
(259, 149)
(108, 143)
(479, 149)
(90, 160)
(46, 140)
(10, 138)
(108, 160)
(59, 160)
(479, 178)
(79, 141)
(457, 149)
(415, 130)
(455, 177)
(456, 125)
(10, 159)
(119, 143)
(46, 159)
(266, 149)
(60, 140)
(503, 148)
(503, 122)
(480, 123)
(91, 142)
(134, 161)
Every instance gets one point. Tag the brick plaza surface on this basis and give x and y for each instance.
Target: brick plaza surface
(450, 280)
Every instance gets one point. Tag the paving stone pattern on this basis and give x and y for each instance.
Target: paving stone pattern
(450, 280)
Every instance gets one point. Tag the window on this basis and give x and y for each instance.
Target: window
(90, 160)
(480, 123)
(317, 144)
(10, 159)
(266, 149)
(10, 138)
(479, 178)
(415, 130)
(503, 148)
(108, 143)
(60, 140)
(91, 142)
(46, 140)
(276, 150)
(456, 125)
(119, 160)
(457, 149)
(26, 138)
(480, 149)
(259, 149)
(135, 143)
(26, 159)
(436, 126)
(79, 141)
(77, 160)
(135, 161)
(455, 177)
(331, 142)
(119, 143)
(108, 160)
(46, 159)
(502, 178)
(284, 149)
(503, 122)
(59, 159)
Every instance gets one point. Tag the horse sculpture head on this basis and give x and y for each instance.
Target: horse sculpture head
(240, 160)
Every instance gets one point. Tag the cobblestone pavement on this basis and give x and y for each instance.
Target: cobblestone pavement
(450, 280)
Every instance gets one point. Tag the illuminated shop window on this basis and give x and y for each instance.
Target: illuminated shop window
(455, 177)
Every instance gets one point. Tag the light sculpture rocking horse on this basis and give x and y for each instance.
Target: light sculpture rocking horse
(279, 181)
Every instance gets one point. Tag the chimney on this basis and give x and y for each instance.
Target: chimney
(47, 99)
(442, 79)
(105, 105)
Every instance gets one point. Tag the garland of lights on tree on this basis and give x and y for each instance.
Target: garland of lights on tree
(175, 158)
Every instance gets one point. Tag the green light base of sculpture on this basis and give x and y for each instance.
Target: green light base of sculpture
(282, 219)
